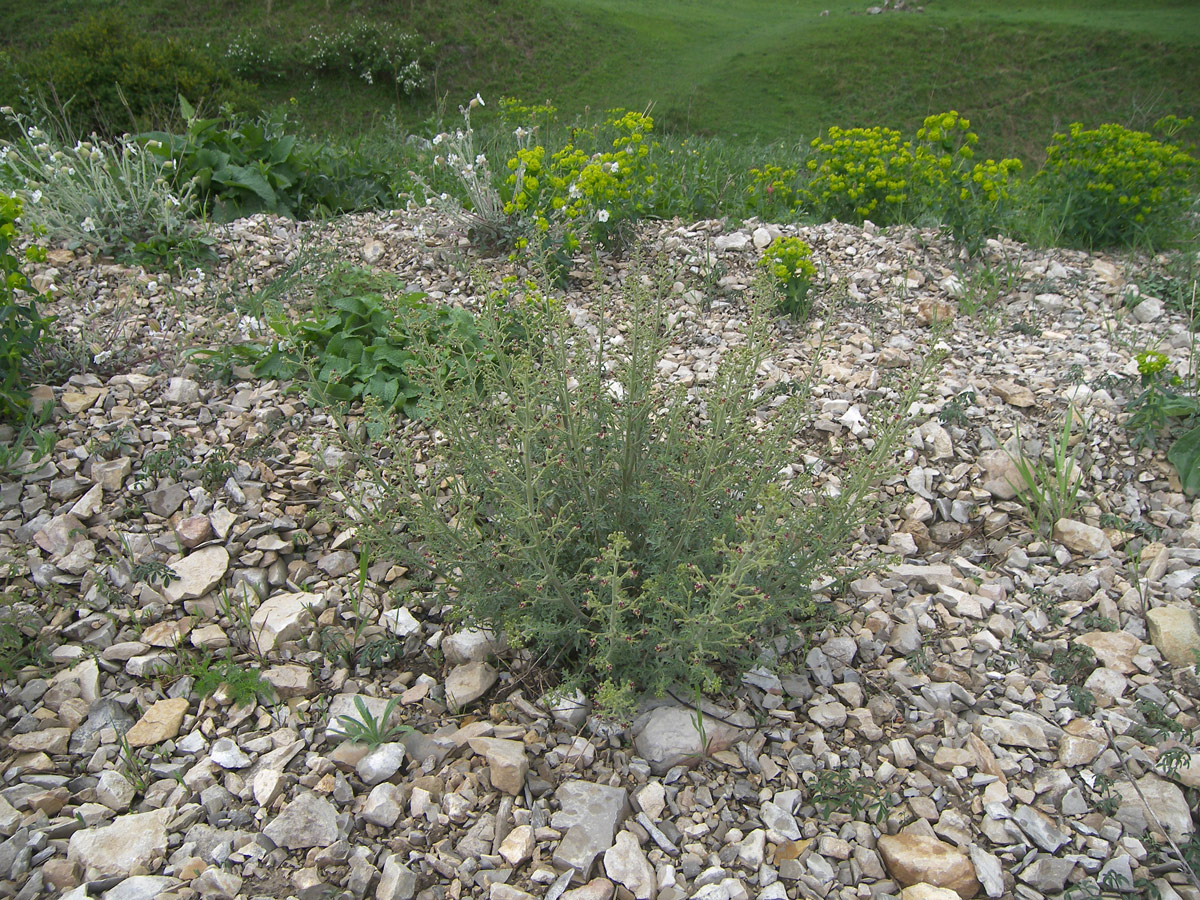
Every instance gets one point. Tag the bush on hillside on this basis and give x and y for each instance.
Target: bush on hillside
(112, 79)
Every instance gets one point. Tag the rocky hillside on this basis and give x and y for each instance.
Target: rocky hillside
(1001, 715)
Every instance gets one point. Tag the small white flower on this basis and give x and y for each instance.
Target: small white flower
(438, 138)
(7, 110)
(476, 101)
(481, 160)
(520, 133)
(151, 286)
(87, 226)
(36, 197)
(602, 216)
(573, 192)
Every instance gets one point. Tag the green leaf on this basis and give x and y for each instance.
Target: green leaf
(1185, 455)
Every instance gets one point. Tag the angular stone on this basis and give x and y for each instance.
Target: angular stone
(923, 891)
(166, 501)
(507, 763)
(472, 645)
(1114, 649)
(193, 531)
(1079, 537)
(47, 740)
(168, 634)
(90, 503)
(159, 723)
(130, 842)
(667, 736)
(1040, 828)
(1047, 874)
(384, 805)
(110, 474)
(1074, 750)
(517, 846)
(626, 864)
(468, 682)
(381, 763)
(596, 889)
(988, 870)
(399, 621)
(198, 573)
(398, 881)
(181, 391)
(589, 813)
(143, 887)
(1012, 733)
(915, 858)
(291, 681)
(1014, 394)
(1173, 631)
(227, 754)
(282, 618)
(1167, 801)
(114, 791)
(308, 821)
(60, 535)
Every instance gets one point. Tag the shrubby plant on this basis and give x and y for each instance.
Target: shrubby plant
(860, 173)
(373, 51)
(623, 531)
(969, 198)
(1111, 185)
(236, 167)
(112, 196)
(789, 260)
(113, 79)
(23, 331)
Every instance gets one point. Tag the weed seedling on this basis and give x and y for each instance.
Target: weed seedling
(368, 730)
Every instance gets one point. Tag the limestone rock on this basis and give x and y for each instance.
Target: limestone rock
(507, 763)
(468, 682)
(282, 618)
(308, 821)
(1079, 537)
(626, 864)
(667, 736)
(589, 814)
(1114, 649)
(159, 723)
(198, 573)
(130, 842)
(915, 858)
(1173, 631)
(1167, 801)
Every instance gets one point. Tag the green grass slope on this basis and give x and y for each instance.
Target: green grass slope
(763, 69)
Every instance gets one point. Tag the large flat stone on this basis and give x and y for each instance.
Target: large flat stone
(130, 842)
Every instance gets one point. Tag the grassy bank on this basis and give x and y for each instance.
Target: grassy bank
(765, 69)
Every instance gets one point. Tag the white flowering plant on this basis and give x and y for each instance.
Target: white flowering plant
(111, 195)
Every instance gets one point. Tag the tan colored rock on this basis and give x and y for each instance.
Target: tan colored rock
(1173, 631)
(47, 740)
(923, 891)
(1077, 751)
(283, 617)
(507, 763)
(159, 723)
(130, 842)
(1014, 394)
(517, 847)
(198, 573)
(1079, 537)
(168, 634)
(1114, 649)
(467, 683)
(916, 858)
(291, 681)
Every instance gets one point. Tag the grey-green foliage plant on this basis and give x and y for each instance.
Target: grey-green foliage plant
(1049, 488)
(621, 529)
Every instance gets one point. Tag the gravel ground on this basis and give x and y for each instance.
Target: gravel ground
(933, 746)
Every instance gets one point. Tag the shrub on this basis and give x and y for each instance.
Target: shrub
(22, 329)
(860, 173)
(238, 167)
(617, 528)
(114, 196)
(114, 79)
(969, 198)
(1111, 185)
(789, 260)
(594, 185)
(369, 50)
